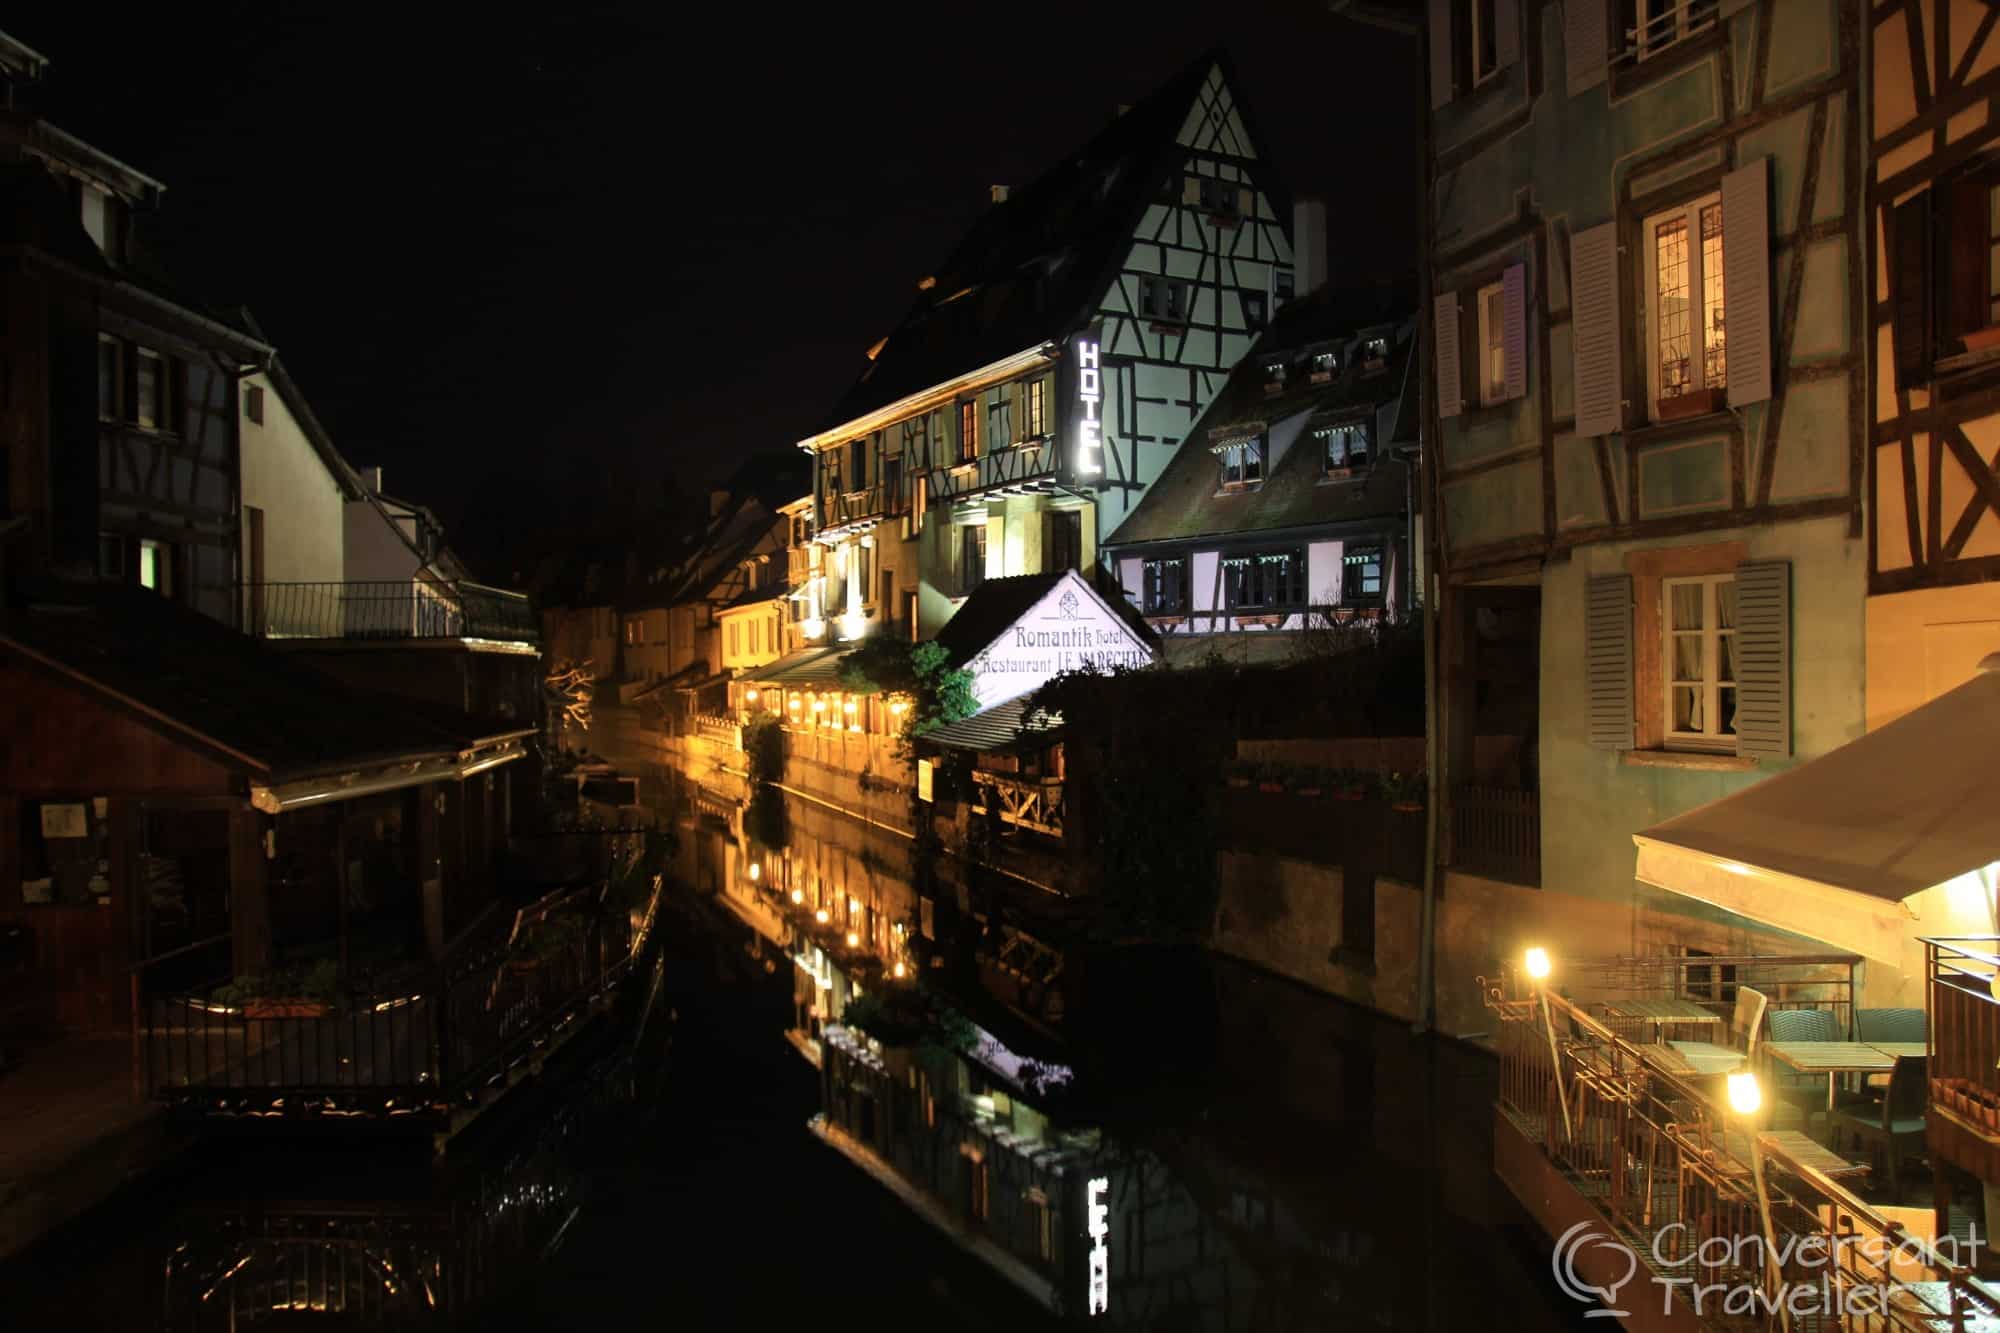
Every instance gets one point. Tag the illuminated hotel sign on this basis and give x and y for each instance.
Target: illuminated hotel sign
(1090, 402)
(1099, 1225)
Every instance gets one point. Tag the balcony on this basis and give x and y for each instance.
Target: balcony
(1032, 804)
(842, 510)
(1963, 1125)
(1497, 832)
(395, 609)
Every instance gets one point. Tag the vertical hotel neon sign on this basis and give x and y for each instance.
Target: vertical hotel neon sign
(1099, 1225)
(1090, 398)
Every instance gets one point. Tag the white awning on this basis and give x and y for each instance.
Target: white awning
(1833, 848)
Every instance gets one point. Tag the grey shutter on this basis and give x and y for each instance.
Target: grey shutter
(1440, 39)
(1450, 382)
(1585, 42)
(1514, 329)
(1746, 280)
(1506, 32)
(1608, 658)
(1595, 333)
(1764, 657)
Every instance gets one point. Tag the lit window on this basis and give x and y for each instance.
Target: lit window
(1165, 593)
(968, 431)
(156, 567)
(1242, 463)
(1263, 580)
(1345, 447)
(1035, 408)
(1323, 366)
(1274, 376)
(1373, 353)
(1492, 345)
(1684, 257)
(1700, 674)
(1361, 576)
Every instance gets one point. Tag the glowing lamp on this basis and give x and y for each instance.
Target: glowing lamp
(1538, 963)
(900, 969)
(1744, 1094)
(794, 703)
(852, 939)
(756, 872)
(819, 705)
(848, 706)
(798, 895)
(820, 916)
(898, 708)
(750, 695)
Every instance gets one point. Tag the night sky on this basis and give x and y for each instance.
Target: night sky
(540, 265)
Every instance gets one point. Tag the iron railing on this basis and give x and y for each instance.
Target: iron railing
(1497, 831)
(1034, 804)
(389, 609)
(1701, 1197)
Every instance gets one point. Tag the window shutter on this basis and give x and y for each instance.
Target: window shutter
(1440, 36)
(1584, 43)
(1450, 384)
(1764, 658)
(1910, 288)
(1506, 31)
(1961, 260)
(1595, 335)
(1746, 281)
(1514, 329)
(1608, 658)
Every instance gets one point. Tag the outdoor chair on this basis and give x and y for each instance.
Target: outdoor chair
(1896, 1123)
(1890, 1025)
(1746, 1021)
(1805, 1091)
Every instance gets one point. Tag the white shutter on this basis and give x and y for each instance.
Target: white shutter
(1607, 658)
(1450, 381)
(1514, 330)
(1440, 37)
(1746, 281)
(1584, 42)
(1595, 334)
(1507, 31)
(1763, 653)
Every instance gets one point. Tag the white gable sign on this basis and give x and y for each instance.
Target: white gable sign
(1069, 629)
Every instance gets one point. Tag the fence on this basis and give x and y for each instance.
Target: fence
(1034, 805)
(392, 609)
(1681, 1185)
(1497, 831)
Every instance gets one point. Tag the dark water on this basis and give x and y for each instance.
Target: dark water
(1328, 1171)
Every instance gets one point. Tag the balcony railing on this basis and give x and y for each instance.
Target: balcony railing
(840, 508)
(1675, 1178)
(1964, 1028)
(1034, 804)
(393, 609)
(1497, 831)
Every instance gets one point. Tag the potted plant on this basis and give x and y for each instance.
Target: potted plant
(1405, 792)
(1348, 785)
(300, 991)
(1312, 781)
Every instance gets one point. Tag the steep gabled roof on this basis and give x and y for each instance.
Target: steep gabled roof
(1035, 267)
(998, 603)
(1186, 501)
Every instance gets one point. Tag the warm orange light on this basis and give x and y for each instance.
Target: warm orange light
(900, 969)
(849, 705)
(820, 916)
(756, 872)
(798, 895)
(750, 695)
(852, 939)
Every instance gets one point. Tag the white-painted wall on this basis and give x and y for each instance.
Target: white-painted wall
(285, 477)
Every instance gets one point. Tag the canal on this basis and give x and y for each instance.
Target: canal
(1276, 1160)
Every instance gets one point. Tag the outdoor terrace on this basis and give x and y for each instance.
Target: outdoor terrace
(394, 609)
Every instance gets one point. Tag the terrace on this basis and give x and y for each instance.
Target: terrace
(394, 609)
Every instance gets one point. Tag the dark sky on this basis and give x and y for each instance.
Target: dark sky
(538, 263)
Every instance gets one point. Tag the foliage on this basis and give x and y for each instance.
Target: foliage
(1396, 786)
(302, 981)
(939, 693)
(764, 747)
(892, 1017)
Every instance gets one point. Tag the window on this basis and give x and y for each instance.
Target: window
(735, 640)
(1345, 447)
(1492, 344)
(1689, 366)
(971, 556)
(1035, 408)
(857, 464)
(156, 567)
(887, 604)
(1485, 50)
(110, 378)
(920, 495)
(635, 631)
(999, 419)
(1700, 670)
(1262, 580)
(1242, 462)
(1255, 306)
(1281, 288)
(1043, 1220)
(1651, 26)
(1324, 364)
(1373, 353)
(1063, 545)
(1361, 576)
(968, 431)
(1165, 593)
(1274, 377)
(1164, 300)
(1220, 198)
(253, 403)
(892, 486)
(148, 381)
(1965, 252)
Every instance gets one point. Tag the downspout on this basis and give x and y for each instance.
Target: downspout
(1427, 459)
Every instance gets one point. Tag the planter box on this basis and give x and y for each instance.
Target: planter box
(285, 1009)
(1699, 403)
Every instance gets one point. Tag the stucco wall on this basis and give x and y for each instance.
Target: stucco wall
(1925, 642)
(374, 551)
(304, 538)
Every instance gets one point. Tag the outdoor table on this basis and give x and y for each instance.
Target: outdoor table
(1660, 1013)
(1803, 1150)
(1832, 1058)
(1903, 1050)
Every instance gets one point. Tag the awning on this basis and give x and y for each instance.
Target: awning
(808, 666)
(389, 777)
(997, 728)
(1832, 848)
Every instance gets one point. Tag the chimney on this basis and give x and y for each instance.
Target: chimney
(1308, 246)
(371, 478)
(999, 193)
(718, 498)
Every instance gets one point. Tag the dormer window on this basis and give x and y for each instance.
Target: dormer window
(1372, 353)
(1164, 300)
(1323, 365)
(1220, 199)
(1345, 447)
(1274, 377)
(1242, 463)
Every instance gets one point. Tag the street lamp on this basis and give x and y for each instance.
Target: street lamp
(798, 895)
(1746, 1099)
(1537, 963)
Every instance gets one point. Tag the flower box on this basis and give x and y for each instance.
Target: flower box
(1695, 403)
(1271, 786)
(284, 1009)
(1235, 781)
(1407, 807)
(1309, 791)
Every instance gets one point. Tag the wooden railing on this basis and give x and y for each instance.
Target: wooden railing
(1497, 831)
(1964, 1050)
(1036, 805)
(1676, 1179)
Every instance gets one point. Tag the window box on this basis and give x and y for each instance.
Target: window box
(1270, 621)
(275, 1008)
(1694, 403)
(1983, 340)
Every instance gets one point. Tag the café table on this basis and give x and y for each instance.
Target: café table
(1663, 1013)
(1832, 1058)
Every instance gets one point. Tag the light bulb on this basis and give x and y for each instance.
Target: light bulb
(798, 895)
(852, 939)
(750, 695)
(1744, 1094)
(900, 969)
(1538, 963)
(756, 871)
(820, 916)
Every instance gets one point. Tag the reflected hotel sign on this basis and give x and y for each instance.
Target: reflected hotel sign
(1097, 1214)
(1090, 407)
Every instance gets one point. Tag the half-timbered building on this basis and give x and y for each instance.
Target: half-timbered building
(1289, 507)
(1051, 366)
(1646, 231)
